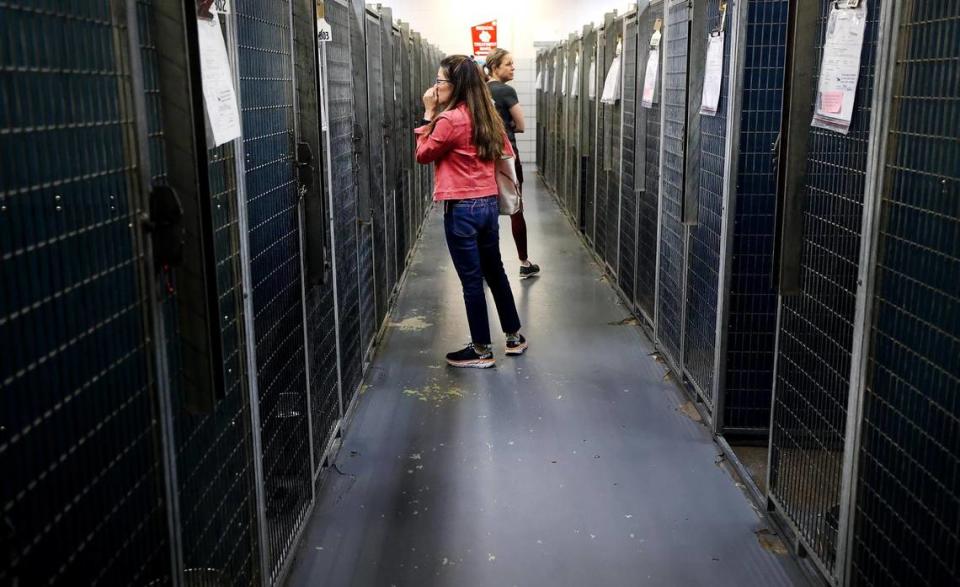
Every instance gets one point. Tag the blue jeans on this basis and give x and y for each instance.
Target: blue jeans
(473, 237)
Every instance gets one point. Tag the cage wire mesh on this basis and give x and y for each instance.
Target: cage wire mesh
(417, 82)
(391, 137)
(584, 132)
(549, 97)
(216, 488)
(418, 170)
(427, 75)
(908, 487)
(627, 249)
(272, 200)
(816, 330)
(588, 135)
(569, 126)
(611, 154)
(752, 301)
(366, 194)
(559, 123)
(602, 153)
(319, 305)
(670, 280)
(703, 251)
(217, 504)
(342, 117)
(405, 152)
(572, 130)
(82, 480)
(375, 126)
(648, 137)
(538, 91)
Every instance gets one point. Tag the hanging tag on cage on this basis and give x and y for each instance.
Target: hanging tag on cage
(839, 72)
(223, 6)
(324, 31)
(657, 34)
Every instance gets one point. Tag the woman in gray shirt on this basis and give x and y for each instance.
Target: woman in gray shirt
(500, 69)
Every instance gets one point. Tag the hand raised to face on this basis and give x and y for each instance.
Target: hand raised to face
(431, 99)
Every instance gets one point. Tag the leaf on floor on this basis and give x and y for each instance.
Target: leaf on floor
(771, 542)
(628, 321)
(691, 412)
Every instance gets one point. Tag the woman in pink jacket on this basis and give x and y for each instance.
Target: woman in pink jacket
(462, 135)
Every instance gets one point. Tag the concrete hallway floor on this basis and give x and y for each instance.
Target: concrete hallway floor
(571, 465)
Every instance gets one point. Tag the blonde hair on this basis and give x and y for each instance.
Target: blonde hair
(495, 60)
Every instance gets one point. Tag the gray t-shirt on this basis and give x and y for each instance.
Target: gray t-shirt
(505, 97)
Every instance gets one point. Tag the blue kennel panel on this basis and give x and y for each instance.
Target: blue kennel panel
(648, 168)
(815, 336)
(627, 241)
(908, 490)
(703, 250)
(82, 489)
(342, 116)
(670, 280)
(751, 298)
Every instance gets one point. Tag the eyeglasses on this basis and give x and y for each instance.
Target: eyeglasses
(443, 81)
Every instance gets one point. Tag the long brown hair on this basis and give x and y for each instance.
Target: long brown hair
(469, 87)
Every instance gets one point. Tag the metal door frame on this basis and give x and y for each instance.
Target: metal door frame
(676, 363)
(158, 368)
(641, 161)
(690, 200)
(597, 157)
(324, 103)
(886, 76)
(738, 51)
(661, 73)
(253, 392)
(630, 14)
(372, 11)
(885, 67)
(301, 243)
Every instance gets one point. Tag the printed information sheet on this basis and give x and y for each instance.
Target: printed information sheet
(219, 98)
(840, 68)
(650, 79)
(712, 75)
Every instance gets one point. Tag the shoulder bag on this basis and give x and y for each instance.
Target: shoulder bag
(508, 187)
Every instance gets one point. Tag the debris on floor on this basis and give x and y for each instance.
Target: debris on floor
(411, 324)
(771, 542)
(690, 411)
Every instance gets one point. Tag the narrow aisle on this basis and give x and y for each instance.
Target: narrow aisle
(571, 465)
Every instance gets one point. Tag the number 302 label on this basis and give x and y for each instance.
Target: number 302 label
(324, 32)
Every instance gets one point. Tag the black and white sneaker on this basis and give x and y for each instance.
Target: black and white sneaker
(516, 346)
(528, 271)
(469, 357)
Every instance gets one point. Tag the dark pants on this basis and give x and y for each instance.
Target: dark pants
(473, 237)
(517, 224)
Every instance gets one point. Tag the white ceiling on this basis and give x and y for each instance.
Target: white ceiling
(446, 23)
